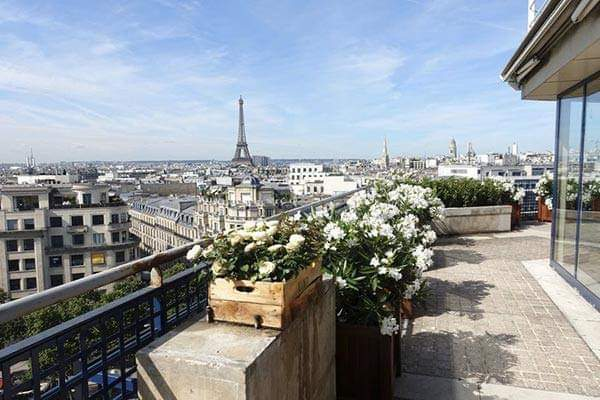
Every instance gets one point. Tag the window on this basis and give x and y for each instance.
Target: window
(78, 239)
(116, 237)
(13, 265)
(124, 217)
(12, 224)
(120, 256)
(56, 280)
(26, 203)
(75, 277)
(28, 245)
(76, 260)
(124, 236)
(77, 220)
(87, 199)
(29, 224)
(12, 245)
(114, 218)
(56, 241)
(132, 254)
(30, 283)
(30, 264)
(98, 219)
(98, 259)
(55, 222)
(15, 284)
(99, 238)
(55, 261)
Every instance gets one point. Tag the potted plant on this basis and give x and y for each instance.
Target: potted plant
(377, 251)
(513, 196)
(263, 272)
(543, 191)
(591, 195)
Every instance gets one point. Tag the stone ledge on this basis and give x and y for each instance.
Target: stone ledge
(201, 360)
(466, 220)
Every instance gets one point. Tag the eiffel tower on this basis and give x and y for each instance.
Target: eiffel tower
(242, 154)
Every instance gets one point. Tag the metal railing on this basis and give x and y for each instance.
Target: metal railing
(93, 355)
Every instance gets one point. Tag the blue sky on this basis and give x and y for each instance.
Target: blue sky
(104, 80)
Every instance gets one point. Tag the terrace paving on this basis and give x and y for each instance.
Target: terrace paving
(489, 324)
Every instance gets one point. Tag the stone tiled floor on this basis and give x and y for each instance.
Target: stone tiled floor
(489, 320)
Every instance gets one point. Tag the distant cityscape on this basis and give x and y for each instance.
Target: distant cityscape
(63, 221)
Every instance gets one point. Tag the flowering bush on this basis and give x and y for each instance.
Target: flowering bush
(510, 193)
(263, 251)
(591, 192)
(469, 192)
(543, 189)
(378, 249)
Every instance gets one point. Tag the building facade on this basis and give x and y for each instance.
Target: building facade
(51, 234)
(162, 223)
(559, 60)
(301, 173)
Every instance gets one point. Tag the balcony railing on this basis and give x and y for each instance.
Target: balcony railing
(93, 356)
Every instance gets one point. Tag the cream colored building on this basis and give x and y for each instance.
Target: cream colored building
(163, 223)
(51, 234)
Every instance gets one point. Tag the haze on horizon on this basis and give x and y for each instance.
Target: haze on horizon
(160, 80)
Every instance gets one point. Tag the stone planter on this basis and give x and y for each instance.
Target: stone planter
(544, 213)
(515, 218)
(263, 304)
(365, 363)
(464, 220)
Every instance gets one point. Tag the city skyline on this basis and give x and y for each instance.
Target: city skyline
(139, 82)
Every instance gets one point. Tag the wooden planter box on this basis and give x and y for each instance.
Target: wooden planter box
(365, 363)
(595, 204)
(262, 304)
(544, 213)
(515, 218)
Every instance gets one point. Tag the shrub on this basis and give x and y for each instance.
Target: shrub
(468, 192)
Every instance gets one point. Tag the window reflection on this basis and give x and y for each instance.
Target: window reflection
(588, 266)
(567, 179)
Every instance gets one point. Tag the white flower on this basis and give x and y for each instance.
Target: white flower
(395, 273)
(245, 235)
(273, 223)
(389, 326)
(375, 261)
(272, 230)
(266, 267)
(340, 282)
(217, 268)
(411, 290)
(423, 257)
(382, 270)
(297, 216)
(333, 231)
(235, 239)
(349, 216)
(548, 203)
(408, 226)
(295, 242)
(260, 236)
(194, 253)
(250, 247)
(429, 236)
(274, 248)
(206, 252)
(249, 225)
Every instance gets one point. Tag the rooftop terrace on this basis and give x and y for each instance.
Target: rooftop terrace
(500, 323)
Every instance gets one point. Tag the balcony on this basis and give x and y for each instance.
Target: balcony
(77, 229)
(496, 324)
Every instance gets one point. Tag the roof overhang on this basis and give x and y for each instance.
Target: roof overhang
(560, 50)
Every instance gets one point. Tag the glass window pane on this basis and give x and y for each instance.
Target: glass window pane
(588, 267)
(567, 179)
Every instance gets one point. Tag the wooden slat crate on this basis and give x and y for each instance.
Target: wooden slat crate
(266, 304)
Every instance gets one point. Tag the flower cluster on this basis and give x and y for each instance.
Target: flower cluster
(263, 251)
(591, 193)
(510, 193)
(378, 249)
(543, 187)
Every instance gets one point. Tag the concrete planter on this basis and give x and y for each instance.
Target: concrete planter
(463, 220)
(365, 363)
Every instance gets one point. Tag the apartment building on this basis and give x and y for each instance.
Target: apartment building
(51, 234)
(248, 201)
(301, 173)
(163, 223)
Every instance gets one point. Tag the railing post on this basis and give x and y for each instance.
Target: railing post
(156, 281)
